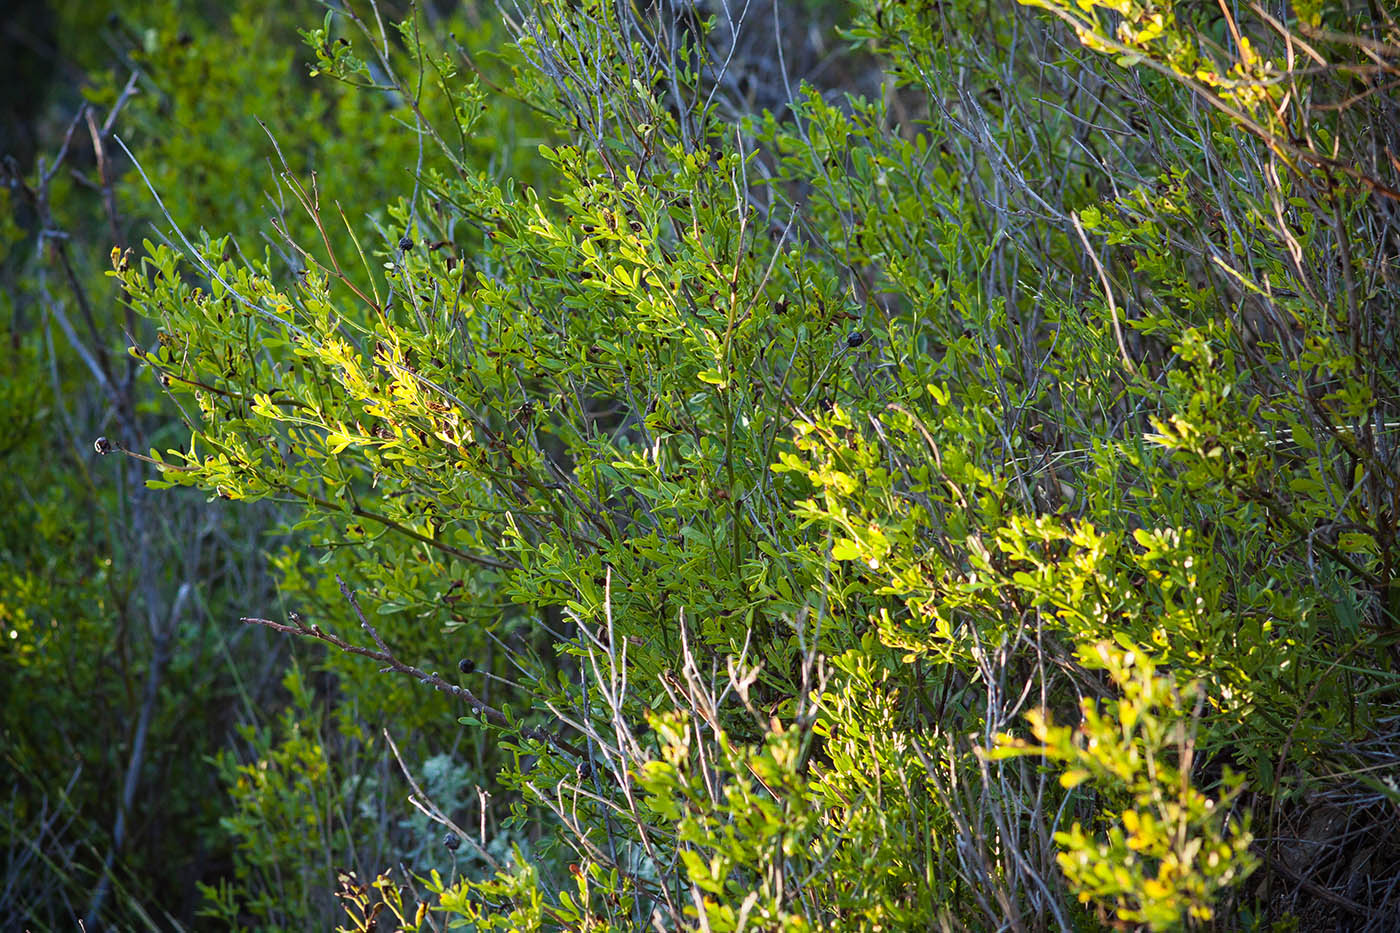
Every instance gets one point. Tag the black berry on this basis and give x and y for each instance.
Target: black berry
(466, 665)
(854, 339)
(452, 841)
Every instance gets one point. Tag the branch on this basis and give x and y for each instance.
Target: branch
(385, 656)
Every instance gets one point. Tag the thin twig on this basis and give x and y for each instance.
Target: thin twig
(391, 663)
(432, 811)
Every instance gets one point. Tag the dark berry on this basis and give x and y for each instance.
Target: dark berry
(452, 841)
(102, 446)
(854, 339)
(406, 243)
(466, 665)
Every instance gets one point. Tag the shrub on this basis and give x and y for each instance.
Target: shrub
(768, 467)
